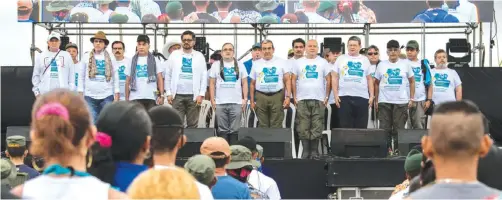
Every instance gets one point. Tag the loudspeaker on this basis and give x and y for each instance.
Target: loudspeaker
(365, 143)
(200, 44)
(195, 137)
(64, 41)
(408, 138)
(276, 142)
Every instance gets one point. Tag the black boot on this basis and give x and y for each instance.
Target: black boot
(314, 148)
(306, 149)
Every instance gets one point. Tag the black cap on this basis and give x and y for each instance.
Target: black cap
(143, 38)
(393, 44)
(249, 143)
(165, 116)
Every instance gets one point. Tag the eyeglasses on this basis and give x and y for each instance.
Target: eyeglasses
(373, 53)
(187, 40)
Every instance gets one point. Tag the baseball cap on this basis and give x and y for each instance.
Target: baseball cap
(143, 38)
(393, 44)
(248, 142)
(71, 45)
(240, 157)
(257, 46)
(53, 35)
(215, 144)
(9, 171)
(173, 6)
(413, 161)
(16, 141)
(201, 167)
(412, 44)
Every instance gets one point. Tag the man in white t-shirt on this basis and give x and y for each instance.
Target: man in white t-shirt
(144, 81)
(122, 62)
(310, 9)
(310, 75)
(353, 86)
(373, 55)
(423, 96)
(98, 76)
(270, 77)
(229, 91)
(393, 94)
(186, 80)
(167, 139)
(464, 10)
(72, 49)
(446, 83)
(53, 68)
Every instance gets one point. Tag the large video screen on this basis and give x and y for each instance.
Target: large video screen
(254, 11)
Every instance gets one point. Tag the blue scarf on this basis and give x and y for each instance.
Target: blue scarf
(60, 170)
(427, 77)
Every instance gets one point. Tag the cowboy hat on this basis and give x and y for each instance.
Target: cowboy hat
(168, 45)
(58, 5)
(100, 35)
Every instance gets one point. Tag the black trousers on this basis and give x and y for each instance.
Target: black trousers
(353, 112)
(146, 103)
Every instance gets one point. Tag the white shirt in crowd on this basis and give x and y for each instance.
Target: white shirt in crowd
(331, 99)
(311, 78)
(186, 74)
(269, 74)
(121, 67)
(444, 83)
(316, 18)
(75, 188)
(465, 11)
(144, 89)
(49, 75)
(105, 16)
(132, 17)
(97, 87)
(94, 15)
(204, 191)
(353, 72)
(230, 89)
(372, 70)
(416, 67)
(394, 81)
(264, 184)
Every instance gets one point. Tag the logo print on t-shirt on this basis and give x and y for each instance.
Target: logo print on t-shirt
(417, 72)
(186, 65)
(355, 69)
(310, 71)
(441, 80)
(122, 75)
(270, 75)
(54, 69)
(394, 76)
(229, 74)
(141, 71)
(100, 69)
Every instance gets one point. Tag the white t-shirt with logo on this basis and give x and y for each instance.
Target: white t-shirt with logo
(144, 89)
(97, 87)
(121, 67)
(393, 81)
(76, 69)
(373, 70)
(269, 74)
(444, 82)
(311, 78)
(230, 89)
(352, 72)
(416, 67)
(185, 83)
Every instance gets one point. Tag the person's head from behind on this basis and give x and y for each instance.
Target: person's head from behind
(250, 143)
(167, 131)
(218, 149)
(174, 10)
(412, 164)
(200, 5)
(202, 168)
(240, 166)
(223, 5)
(124, 136)
(456, 135)
(16, 148)
(170, 183)
(435, 3)
(61, 129)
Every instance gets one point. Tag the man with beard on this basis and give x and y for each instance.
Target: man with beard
(122, 62)
(73, 50)
(310, 75)
(24, 9)
(446, 83)
(186, 80)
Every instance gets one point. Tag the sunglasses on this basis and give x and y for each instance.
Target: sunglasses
(371, 53)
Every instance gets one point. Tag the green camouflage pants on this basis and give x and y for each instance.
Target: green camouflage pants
(392, 118)
(269, 109)
(187, 107)
(310, 119)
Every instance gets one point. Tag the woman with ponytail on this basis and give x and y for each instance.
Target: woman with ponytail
(124, 130)
(61, 133)
(229, 91)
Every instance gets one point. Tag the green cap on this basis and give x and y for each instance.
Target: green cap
(9, 171)
(202, 168)
(324, 5)
(16, 141)
(268, 20)
(173, 6)
(412, 44)
(240, 157)
(118, 18)
(260, 150)
(413, 161)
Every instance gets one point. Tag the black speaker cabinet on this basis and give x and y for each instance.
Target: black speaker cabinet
(408, 138)
(364, 143)
(276, 142)
(195, 137)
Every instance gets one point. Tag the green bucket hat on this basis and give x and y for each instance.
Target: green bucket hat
(173, 6)
(268, 20)
(58, 5)
(202, 168)
(240, 157)
(326, 4)
(413, 161)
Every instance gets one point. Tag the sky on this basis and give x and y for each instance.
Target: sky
(18, 36)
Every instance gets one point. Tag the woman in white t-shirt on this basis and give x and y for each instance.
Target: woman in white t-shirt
(446, 83)
(62, 133)
(229, 91)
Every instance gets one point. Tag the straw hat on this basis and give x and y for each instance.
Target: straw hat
(100, 35)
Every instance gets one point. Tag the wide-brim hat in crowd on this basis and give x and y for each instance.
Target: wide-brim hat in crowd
(240, 157)
(168, 45)
(9, 171)
(58, 5)
(266, 5)
(100, 35)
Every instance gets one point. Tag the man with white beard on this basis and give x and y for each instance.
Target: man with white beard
(446, 83)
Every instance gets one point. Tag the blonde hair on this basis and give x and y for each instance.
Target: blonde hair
(171, 183)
